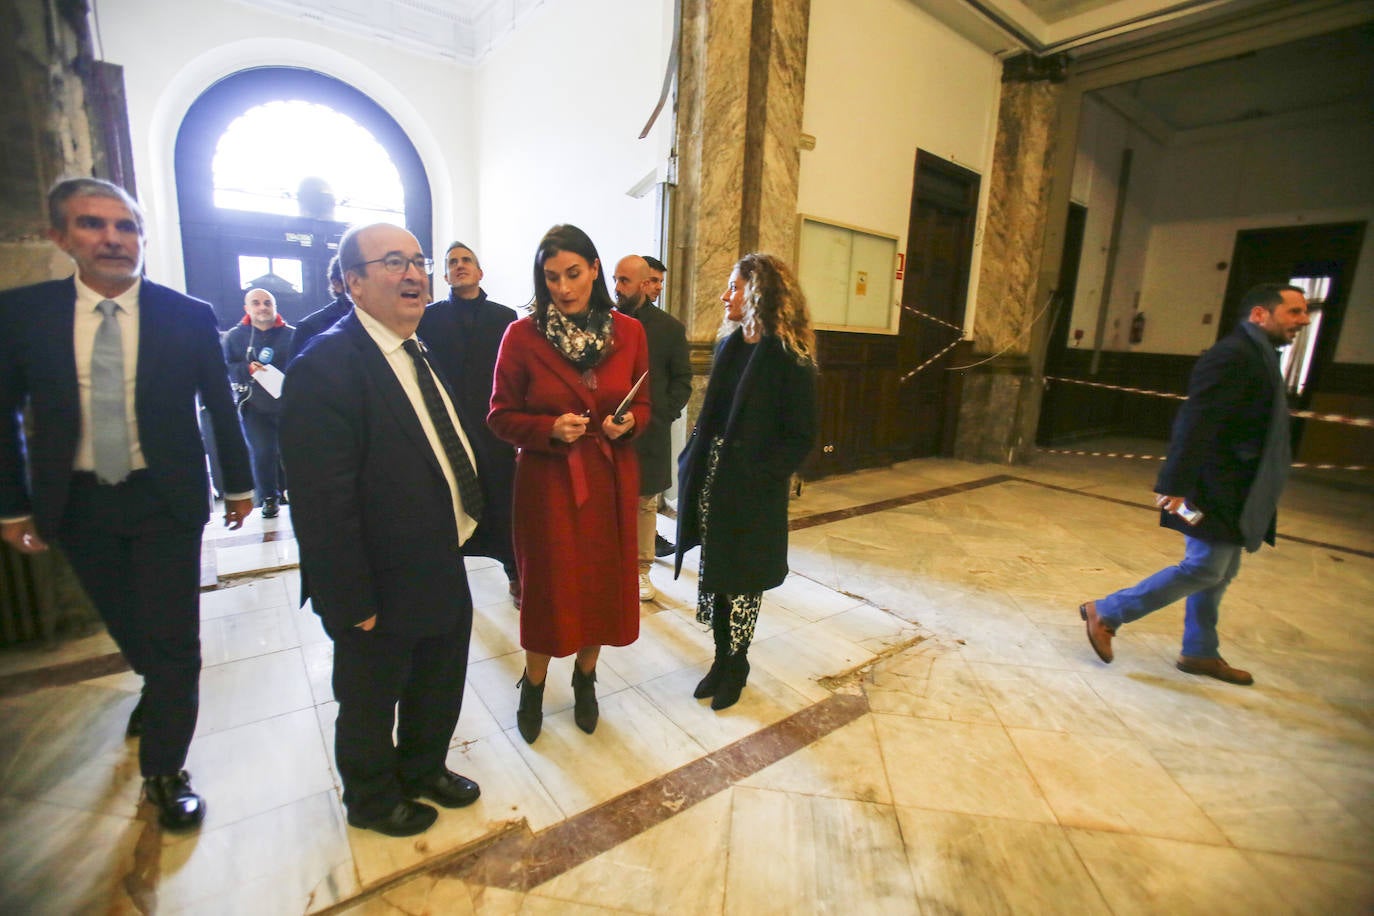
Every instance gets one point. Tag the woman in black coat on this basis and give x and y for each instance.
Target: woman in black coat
(757, 424)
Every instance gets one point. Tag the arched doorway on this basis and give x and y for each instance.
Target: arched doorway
(249, 156)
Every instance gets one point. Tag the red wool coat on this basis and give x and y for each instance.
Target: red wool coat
(574, 515)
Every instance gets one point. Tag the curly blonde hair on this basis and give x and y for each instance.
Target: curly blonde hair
(775, 304)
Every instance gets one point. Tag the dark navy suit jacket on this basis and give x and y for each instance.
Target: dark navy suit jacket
(369, 501)
(178, 357)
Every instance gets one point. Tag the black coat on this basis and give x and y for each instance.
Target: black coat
(319, 321)
(1218, 438)
(464, 337)
(670, 385)
(369, 502)
(770, 427)
(178, 358)
(245, 344)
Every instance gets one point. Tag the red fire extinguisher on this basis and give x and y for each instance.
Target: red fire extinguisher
(1138, 328)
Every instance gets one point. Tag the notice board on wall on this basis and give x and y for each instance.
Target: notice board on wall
(848, 276)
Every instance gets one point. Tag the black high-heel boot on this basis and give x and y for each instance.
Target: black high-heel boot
(586, 712)
(734, 672)
(720, 633)
(529, 717)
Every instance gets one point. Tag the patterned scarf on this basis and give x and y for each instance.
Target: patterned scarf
(584, 339)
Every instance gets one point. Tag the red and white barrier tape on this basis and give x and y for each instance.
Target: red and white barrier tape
(909, 375)
(929, 317)
(1366, 422)
(1297, 464)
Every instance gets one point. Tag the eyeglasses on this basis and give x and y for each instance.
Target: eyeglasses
(397, 264)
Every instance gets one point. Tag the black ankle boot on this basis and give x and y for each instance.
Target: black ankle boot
(529, 718)
(585, 708)
(708, 685)
(734, 672)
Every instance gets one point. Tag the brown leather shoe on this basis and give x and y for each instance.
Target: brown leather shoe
(1099, 634)
(1214, 667)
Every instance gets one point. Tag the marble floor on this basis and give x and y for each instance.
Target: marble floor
(925, 730)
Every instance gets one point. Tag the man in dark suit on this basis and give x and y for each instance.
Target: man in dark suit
(1228, 459)
(384, 493)
(463, 333)
(108, 366)
(323, 319)
(670, 385)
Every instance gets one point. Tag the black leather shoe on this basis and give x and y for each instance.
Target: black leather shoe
(663, 547)
(178, 808)
(269, 507)
(708, 685)
(135, 727)
(406, 819)
(445, 787)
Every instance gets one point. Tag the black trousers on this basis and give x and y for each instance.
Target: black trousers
(261, 431)
(381, 680)
(141, 568)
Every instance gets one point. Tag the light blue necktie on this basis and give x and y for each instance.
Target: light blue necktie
(109, 417)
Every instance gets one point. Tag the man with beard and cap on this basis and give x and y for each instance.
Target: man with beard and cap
(463, 333)
(109, 465)
(385, 491)
(670, 385)
(1228, 459)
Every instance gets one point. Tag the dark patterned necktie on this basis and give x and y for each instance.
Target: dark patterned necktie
(469, 491)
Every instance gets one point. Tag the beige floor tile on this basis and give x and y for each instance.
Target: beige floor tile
(476, 721)
(800, 658)
(253, 768)
(1046, 699)
(674, 867)
(1315, 888)
(256, 558)
(510, 789)
(59, 860)
(666, 643)
(794, 853)
(962, 863)
(254, 595)
(847, 763)
(958, 766)
(929, 686)
(870, 628)
(1150, 876)
(1350, 783)
(252, 689)
(309, 626)
(289, 859)
(495, 629)
(1084, 778)
(66, 745)
(811, 600)
(247, 634)
(633, 743)
(1269, 803)
(765, 700)
(318, 658)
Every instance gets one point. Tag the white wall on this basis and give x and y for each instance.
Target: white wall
(1265, 176)
(883, 79)
(171, 52)
(1102, 137)
(559, 110)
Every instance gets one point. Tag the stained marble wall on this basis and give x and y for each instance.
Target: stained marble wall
(739, 124)
(1000, 405)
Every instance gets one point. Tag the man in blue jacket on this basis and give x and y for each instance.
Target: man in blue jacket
(1228, 459)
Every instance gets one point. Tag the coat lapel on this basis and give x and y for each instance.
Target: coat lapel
(378, 369)
(564, 370)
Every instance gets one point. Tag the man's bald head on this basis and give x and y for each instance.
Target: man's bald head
(630, 275)
(261, 308)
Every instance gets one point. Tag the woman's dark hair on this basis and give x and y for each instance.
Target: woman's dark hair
(567, 237)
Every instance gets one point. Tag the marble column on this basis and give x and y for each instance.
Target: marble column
(739, 122)
(1001, 398)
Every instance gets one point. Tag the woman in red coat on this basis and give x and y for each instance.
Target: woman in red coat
(560, 376)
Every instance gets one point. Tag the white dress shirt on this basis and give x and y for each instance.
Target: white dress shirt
(403, 366)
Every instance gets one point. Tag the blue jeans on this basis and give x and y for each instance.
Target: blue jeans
(1201, 577)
